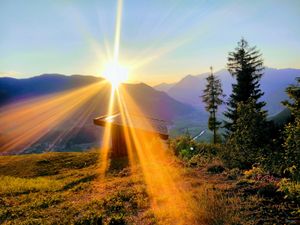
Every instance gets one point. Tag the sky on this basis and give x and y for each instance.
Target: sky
(160, 40)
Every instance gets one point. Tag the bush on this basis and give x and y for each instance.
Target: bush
(186, 153)
(199, 161)
(290, 189)
(247, 144)
(186, 148)
(291, 133)
(183, 146)
(292, 150)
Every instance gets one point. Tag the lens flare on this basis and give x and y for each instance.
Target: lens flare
(169, 199)
(115, 74)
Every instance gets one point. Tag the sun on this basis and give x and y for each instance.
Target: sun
(115, 74)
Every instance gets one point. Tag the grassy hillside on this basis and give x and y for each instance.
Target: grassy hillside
(65, 188)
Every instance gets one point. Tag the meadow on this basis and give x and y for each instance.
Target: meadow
(65, 188)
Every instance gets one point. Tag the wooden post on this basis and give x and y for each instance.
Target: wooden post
(119, 148)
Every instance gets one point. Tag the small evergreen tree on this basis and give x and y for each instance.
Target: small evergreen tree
(246, 65)
(212, 97)
(292, 132)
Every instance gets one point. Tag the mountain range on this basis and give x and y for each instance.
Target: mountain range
(178, 102)
(12, 90)
(152, 103)
(273, 84)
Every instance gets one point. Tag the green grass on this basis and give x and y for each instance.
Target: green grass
(45, 164)
(65, 188)
(13, 185)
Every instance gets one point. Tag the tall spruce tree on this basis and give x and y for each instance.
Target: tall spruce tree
(245, 64)
(212, 97)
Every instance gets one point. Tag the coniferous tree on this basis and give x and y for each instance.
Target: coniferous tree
(292, 132)
(212, 97)
(246, 65)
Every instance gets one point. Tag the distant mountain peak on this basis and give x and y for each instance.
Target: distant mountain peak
(189, 88)
(50, 75)
(163, 86)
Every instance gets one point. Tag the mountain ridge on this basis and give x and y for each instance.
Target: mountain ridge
(190, 87)
(152, 103)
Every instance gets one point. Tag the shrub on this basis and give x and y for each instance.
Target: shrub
(292, 150)
(186, 153)
(186, 148)
(247, 144)
(183, 146)
(199, 161)
(290, 189)
(292, 132)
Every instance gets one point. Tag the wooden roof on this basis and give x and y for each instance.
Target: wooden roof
(139, 122)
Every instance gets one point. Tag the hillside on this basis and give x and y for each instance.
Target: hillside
(157, 103)
(273, 83)
(66, 188)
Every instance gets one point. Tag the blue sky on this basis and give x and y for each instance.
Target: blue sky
(161, 40)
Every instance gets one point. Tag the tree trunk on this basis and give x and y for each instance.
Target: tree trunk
(215, 133)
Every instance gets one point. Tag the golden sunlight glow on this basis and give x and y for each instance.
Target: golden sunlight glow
(169, 200)
(25, 123)
(115, 74)
(146, 152)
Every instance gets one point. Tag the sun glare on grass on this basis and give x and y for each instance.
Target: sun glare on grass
(115, 74)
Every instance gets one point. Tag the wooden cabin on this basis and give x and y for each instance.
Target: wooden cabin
(138, 122)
